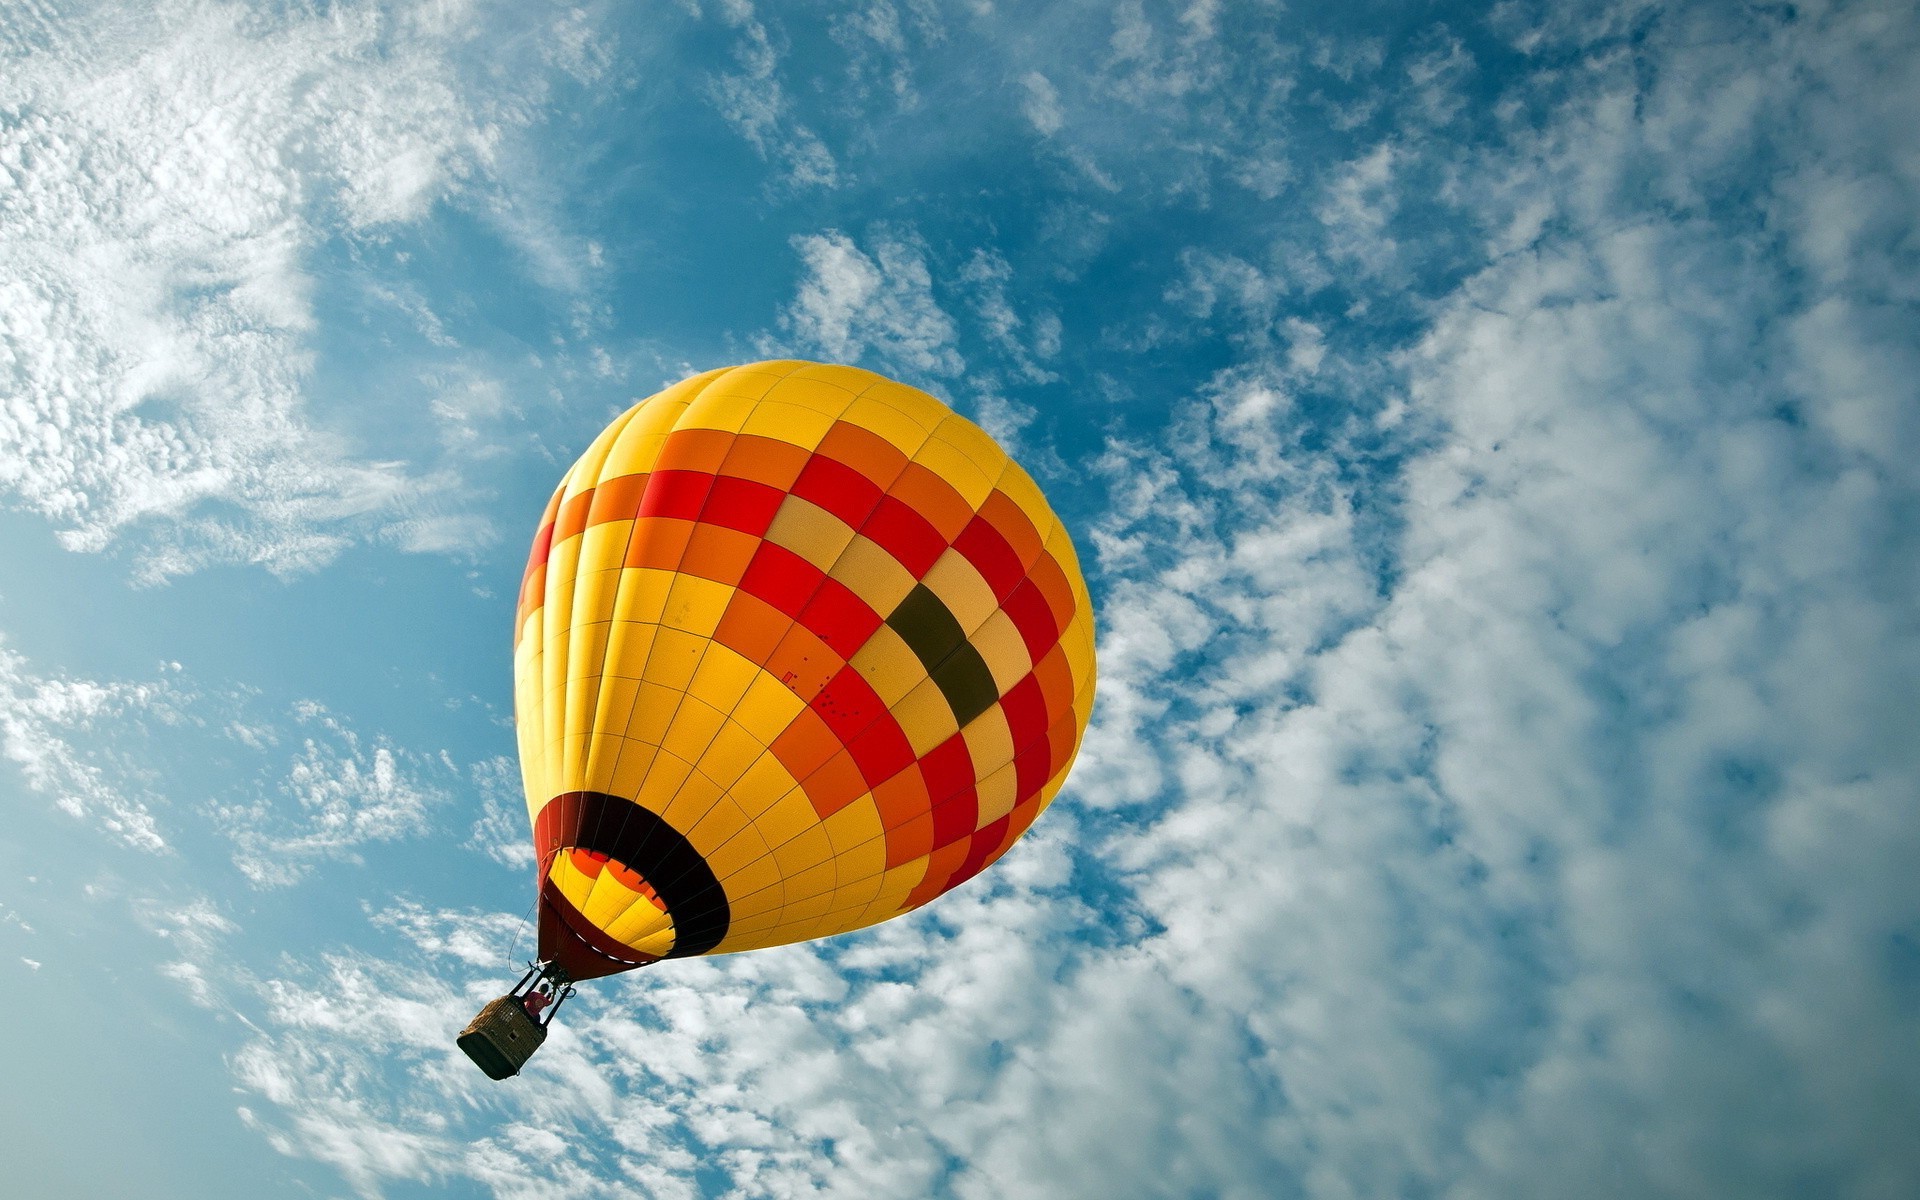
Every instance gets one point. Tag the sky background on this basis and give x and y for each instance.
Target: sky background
(1492, 434)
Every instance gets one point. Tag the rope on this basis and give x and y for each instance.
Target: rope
(513, 947)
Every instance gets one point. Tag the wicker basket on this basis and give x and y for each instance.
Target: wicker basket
(502, 1038)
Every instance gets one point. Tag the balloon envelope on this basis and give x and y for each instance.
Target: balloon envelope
(798, 649)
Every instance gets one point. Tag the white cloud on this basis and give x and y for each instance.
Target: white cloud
(1042, 104)
(336, 798)
(501, 833)
(46, 728)
(853, 304)
(754, 101)
(167, 187)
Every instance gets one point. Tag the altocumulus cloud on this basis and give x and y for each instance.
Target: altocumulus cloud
(1499, 786)
(168, 182)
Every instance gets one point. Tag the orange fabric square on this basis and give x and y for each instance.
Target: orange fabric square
(765, 460)
(865, 451)
(1060, 738)
(940, 868)
(1052, 582)
(751, 627)
(933, 498)
(805, 745)
(910, 841)
(1012, 522)
(658, 542)
(573, 516)
(718, 553)
(902, 798)
(694, 450)
(1056, 681)
(834, 785)
(803, 662)
(1020, 819)
(617, 499)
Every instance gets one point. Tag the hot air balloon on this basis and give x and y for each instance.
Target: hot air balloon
(798, 649)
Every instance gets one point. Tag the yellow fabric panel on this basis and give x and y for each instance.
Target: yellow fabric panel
(902, 430)
(890, 667)
(722, 402)
(961, 472)
(997, 793)
(602, 547)
(642, 597)
(821, 395)
(659, 944)
(1024, 492)
(693, 729)
(765, 776)
(895, 886)
(760, 892)
(926, 718)
(654, 706)
(630, 767)
(785, 818)
(854, 379)
(553, 668)
(723, 677)
(810, 531)
(872, 574)
(611, 715)
(911, 402)
(958, 584)
(807, 883)
(694, 605)
(768, 708)
(643, 927)
(607, 899)
(723, 821)
(692, 795)
(665, 778)
(972, 441)
(809, 848)
(1077, 645)
(731, 753)
(528, 726)
(757, 379)
(1004, 650)
(859, 844)
(572, 884)
(717, 409)
(675, 657)
(742, 860)
(794, 423)
(989, 741)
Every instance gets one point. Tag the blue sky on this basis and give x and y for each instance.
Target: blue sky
(1490, 432)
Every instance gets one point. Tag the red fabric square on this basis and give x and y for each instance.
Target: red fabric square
(838, 488)
(742, 504)
(906, 535)
(675, 494)
(947, 768)
(781, 578)
(841, 618)
(990, 554)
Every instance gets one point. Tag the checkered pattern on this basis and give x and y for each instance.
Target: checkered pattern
(822, 630)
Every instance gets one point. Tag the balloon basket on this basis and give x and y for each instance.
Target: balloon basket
(502, 1037)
